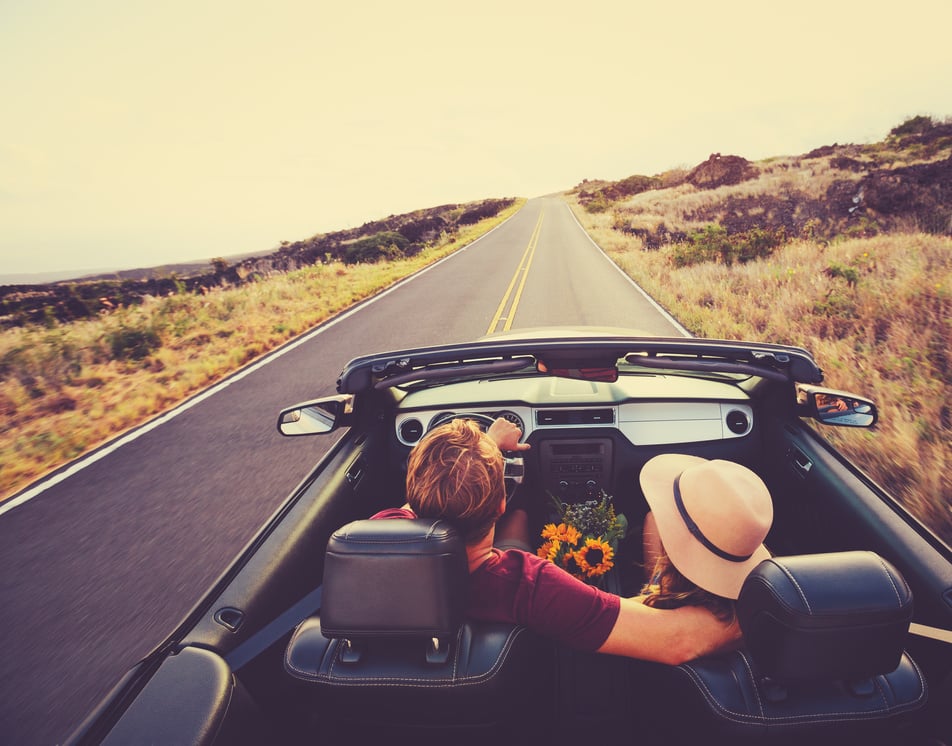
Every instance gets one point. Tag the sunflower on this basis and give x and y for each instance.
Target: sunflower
(563, 532)
(596, 557)
(571, 565)
(549, 550)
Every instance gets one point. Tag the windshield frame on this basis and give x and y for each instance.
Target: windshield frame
(494, 358)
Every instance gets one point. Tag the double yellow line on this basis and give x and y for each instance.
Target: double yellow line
(522, 272)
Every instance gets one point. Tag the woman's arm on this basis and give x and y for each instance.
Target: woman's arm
(670, 636)
(651, 545)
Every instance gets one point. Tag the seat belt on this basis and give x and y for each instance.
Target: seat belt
(274, 630)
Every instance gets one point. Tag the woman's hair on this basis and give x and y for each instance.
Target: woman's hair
(456, 473)
(669, 589)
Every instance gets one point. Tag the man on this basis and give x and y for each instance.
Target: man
(456, 473)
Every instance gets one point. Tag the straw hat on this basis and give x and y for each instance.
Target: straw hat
(712, 517)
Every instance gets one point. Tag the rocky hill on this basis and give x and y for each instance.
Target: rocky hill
(902, 183)
(397, 235)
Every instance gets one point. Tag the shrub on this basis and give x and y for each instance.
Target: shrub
(425, 229)
(598, 203)
(713, 244)
(386, 244)
(706, 245)
(850, 274)
(916, 125)
(757, 243)
(131, 343)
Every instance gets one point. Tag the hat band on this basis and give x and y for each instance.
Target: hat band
(696, 531)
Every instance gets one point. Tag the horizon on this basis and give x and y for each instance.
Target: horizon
(141, 140)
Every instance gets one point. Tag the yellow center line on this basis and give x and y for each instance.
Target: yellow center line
(522, 269)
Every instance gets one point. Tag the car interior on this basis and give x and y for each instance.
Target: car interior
(337, 629)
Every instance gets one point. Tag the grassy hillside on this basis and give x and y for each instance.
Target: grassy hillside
(845, 251)
(133, 348)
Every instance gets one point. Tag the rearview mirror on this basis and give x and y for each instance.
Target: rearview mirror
(602, 373)
(839, 408)
(315, 417)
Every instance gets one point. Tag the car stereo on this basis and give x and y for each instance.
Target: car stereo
(576, 470)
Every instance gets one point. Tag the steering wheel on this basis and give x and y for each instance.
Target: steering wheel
(483, 420)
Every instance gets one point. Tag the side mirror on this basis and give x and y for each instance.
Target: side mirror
(315, 417)
(838, 408)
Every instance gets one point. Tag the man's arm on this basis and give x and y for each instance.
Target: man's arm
(670, 636)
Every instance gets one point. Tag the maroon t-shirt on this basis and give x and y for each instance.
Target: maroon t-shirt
(520, 588)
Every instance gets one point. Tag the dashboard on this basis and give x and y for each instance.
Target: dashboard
(579, 428)
(643, 423)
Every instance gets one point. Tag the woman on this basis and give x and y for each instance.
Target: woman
(704, 532)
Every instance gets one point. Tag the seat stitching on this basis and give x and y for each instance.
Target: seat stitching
(459, 638)
(878, 682)
(796, 585)
(923, 683)
(741, 717)
(288, 658)
(892, 581)
(753, 681)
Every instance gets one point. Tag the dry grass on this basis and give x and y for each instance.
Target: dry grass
(876, 312)
(65, 390)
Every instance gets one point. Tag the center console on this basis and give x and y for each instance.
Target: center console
(576, 470)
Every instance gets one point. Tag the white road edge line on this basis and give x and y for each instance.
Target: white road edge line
(933, 633)
(83, 461)
(673, 321)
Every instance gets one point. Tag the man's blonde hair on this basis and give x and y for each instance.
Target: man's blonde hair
(456, 473)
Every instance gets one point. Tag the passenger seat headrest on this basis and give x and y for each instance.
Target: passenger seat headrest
(394, 577)
(840, 615)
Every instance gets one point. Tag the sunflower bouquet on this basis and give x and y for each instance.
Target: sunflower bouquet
(583, 539)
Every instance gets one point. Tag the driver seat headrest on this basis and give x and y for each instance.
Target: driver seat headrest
(394, 578)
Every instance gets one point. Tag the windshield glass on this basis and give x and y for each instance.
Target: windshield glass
(626, 368)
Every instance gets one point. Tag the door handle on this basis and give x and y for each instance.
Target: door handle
(801, 462)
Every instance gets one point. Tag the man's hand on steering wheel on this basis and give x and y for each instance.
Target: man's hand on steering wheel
(502, 432)
(506, 435)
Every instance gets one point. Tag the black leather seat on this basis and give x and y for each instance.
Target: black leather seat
(823, 661)
(391, 650)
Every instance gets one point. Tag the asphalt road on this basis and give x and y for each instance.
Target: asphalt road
(97, 567)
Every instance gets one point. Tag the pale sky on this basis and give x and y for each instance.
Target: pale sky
(138, 133)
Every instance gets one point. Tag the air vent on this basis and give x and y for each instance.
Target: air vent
(575, 417)
(411, 431)
(738, 422)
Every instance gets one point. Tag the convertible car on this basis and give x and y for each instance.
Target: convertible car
(333, 629)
